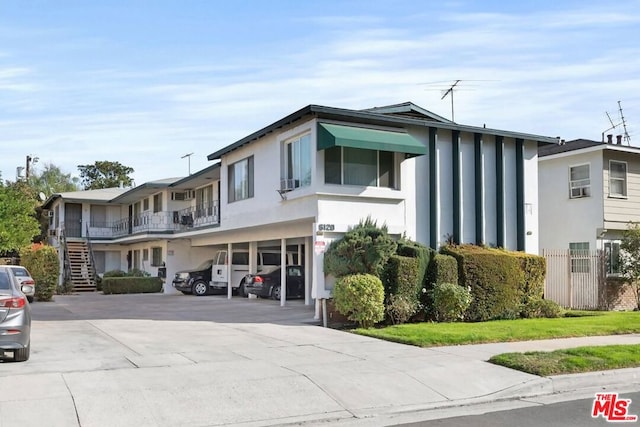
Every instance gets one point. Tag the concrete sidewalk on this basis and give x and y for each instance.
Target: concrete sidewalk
(146, 372)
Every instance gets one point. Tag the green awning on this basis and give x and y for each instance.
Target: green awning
(330, 135)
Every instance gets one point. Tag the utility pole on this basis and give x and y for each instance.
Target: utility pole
(30, 161)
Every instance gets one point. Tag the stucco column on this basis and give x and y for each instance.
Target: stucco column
(229, 270)
(283, 272)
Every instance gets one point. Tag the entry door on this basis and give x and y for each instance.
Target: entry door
(73, 220)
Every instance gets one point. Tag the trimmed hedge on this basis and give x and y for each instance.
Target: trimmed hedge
(131, 285)
(360, 297)
(534, 268)
(422, 254)
(402, 285)
(443, 269)
(496, 280)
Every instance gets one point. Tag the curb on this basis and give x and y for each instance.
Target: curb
(597, 379)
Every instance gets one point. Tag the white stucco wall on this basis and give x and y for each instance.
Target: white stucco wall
(564, 220)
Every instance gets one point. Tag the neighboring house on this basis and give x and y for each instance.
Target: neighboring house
(589, 192)
(303, 181)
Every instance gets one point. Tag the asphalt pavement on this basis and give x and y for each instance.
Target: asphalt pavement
(177, 360)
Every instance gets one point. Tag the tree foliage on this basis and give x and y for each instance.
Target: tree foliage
(364, 249)
(18, 225)
(105, 174)
(630, 257)
(53, 180)
(43, 264)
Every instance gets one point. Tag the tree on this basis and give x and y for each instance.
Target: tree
(52, 180)
(364, 249)
(105, 174)
(630, 258)
(18, 225)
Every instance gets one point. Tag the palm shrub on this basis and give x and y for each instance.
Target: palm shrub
(360, 297)
(44, 266)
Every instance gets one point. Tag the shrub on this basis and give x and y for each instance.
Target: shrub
(360, 297)
(44, 266)
(534, 269)
(115, 273)
(450, 301)
(423, 256)
(136, 272)
(442, 269)
(400, 308)
(131, 285)
(542, 308)
(400, 278)
(495, 277)
(364, 249)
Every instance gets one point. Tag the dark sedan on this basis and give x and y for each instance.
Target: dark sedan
(269, 285)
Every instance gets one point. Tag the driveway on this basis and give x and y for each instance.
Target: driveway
(160, 360)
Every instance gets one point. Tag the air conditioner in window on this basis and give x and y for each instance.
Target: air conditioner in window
(289, 184)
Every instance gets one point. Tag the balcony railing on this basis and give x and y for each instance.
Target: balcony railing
(187, 219)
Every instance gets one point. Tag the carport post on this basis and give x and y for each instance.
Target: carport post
(229, 269)
(307, 270)
(283, 272)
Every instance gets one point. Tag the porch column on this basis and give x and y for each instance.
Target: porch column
(307, 270)
(283, 272)
(229, 269)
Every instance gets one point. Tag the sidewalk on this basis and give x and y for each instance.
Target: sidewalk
(94, 371)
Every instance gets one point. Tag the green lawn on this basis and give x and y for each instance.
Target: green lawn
(568, 361)
(577, 324)
(571, 361)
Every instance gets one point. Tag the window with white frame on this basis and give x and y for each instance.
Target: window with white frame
(579, 181)
(617, 178)
(204, 201)
(612, 257)
(156, 256)
(240, 178)
(157, 203)
(580, 260)
(356, 166)
(145, 204)
(297, 163)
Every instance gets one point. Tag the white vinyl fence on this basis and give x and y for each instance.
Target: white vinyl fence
(574, 278)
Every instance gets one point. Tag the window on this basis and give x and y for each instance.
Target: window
(156, 257)
(204, 201)
(579, 182)
(356, 166)
(145, 203)
(612, 256)
(617, 179)
(145, 255)
(157, 203)
(98, 216)
(580, 261)
(241, 180)
(298, 162)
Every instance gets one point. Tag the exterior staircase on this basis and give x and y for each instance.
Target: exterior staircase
(81, 268)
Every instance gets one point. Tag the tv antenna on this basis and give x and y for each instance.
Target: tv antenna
(188, 156)
(450, 92)
(622, 122)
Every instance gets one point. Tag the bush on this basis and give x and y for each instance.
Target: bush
(400, 278)
(43, 264)
(115, 273)
(136, 272)
(443, 269)
(423, 256)
(534, 268)
(360, 297)
(364, 249)
(495, 277)
(542, 308)
(450, 301)
(131, 285)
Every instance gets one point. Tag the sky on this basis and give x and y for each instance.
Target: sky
(146, 82)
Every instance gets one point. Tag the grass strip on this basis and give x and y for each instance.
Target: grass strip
(572, 361)
(575, 324)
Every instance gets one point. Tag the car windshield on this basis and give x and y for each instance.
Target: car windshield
(4, 281)
(205, 265)
(20, 271)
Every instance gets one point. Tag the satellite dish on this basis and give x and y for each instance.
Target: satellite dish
(41, 196)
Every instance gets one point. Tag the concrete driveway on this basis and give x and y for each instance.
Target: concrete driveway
(160, 360)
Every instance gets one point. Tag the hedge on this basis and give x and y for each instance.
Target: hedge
(131, 285)
(43, 264)
(496, 279)
(422, 254)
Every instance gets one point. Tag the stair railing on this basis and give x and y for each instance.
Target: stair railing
(66, 269)
(93, 274)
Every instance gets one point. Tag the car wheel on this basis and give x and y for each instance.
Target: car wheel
(275, 292)
(200, 288)
(30, 299)
(242, 291)
(22, 354)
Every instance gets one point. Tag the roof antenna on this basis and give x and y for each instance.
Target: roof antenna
(613, 126)
(624, 125)
(450, 91)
